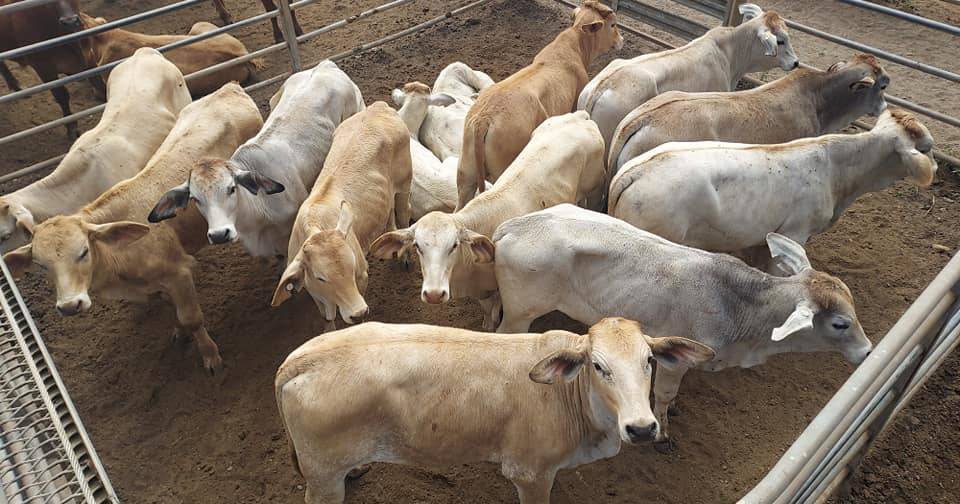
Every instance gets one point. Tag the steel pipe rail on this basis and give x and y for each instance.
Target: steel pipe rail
(662, 19)
(906, 16)
(22, 4)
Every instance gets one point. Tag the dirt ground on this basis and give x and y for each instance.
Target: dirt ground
(169, 434)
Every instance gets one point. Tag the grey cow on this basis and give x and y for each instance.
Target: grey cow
(590, 266)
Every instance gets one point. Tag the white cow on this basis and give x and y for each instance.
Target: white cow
(144, 96)
(590, 265)
(562, 163)
(715, 61)
(726, 197)
(285, 157)
(533, 403)
(438, 119)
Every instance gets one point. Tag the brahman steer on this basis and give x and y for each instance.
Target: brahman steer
(502, 120)
(805, 103)
(437, 120)
(563, 163)
(138, 115)
(105, 250)
(715, 61)
(726, 197)
(286, 156)
(362, 191)
(116, 44)
(534, 403)
(589, 266)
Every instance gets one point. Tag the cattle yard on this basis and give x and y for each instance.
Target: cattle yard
(166, 432)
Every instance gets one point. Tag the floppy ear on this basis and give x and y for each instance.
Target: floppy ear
(398, 97)
(169, 203)
(253, 182)
(345, 220)
(750, 11)
(25, 223)
(275, 99)
(675, 352)
(481, 246)
(391, 244)
(19, 260)
(789, 255)
(801, 319)
(290, 282)
(836, 66)
(769, 42)
(118, 233)
(564, 364)
(593, 27)
(441, 100)
(864, 83)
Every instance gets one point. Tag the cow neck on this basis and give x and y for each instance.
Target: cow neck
(52, 195)
(861, 163)
(570, 45)
(757, 302)
(831, 101)
(736, 45)
(413, 112)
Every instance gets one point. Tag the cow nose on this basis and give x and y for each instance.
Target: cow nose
(434, 296)
(68, 308)
(70, 21)
(642, 433)
(361, 314)
(796, 64)
(218, 236)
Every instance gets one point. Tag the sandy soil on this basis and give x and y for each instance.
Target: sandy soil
(169, 434)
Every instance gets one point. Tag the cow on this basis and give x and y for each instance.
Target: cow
(715, 61)
(563, 163)
(138, 115)
(804, 103)
(437, 119)
(36, 24)
(500, 123)
(727, 197)
(590, 266)
(362, 191)
(268, 6)
(106, 249)
(116, 44)
(533, 403)
(285, 157)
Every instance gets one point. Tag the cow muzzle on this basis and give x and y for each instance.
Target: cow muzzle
(355, 315)
(73, 305)
(435, 296)
(641, 433)
(72, 22)
(222, 235)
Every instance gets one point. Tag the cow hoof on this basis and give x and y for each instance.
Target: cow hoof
(213, 364)
(357, 472)
(665, 446)
(673, 410)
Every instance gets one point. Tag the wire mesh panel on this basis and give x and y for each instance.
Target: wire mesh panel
(45, 453)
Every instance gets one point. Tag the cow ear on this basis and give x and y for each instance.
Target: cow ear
(253, 182)
(441, 100)
(788, 254)
(398, 97)
(483, 249)
(801, 319)
(769, 42)
(19, 260)
(392, 244)
(836, 66)
(864, 83)
(169, 203)
(674, 352)
(593, 27)
(345, 220)
(118, 233)
(25, 224)
(564, 364)
(290, 282)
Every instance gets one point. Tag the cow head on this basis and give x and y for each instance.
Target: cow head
(213, 186)
(70, 250)
(16, 225)
(333, 275)
(413, 101)
(858, 85)
(69, 17)
(617, 359)
(824, 318)
(598, 24)
(771, 43)
(443, 245)
(912, 144)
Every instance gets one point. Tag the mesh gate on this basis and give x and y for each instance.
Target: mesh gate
(45, 453)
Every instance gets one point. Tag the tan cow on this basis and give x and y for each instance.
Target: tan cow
(563, 163)
(105, 249)
(362, 191)
(138, 116)
(116, 44)
(533, 403)
(505, 114)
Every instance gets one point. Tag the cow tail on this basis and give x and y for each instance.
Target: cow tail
(283, 420)
(479, 152)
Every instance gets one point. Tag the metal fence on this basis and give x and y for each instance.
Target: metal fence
(826, 454)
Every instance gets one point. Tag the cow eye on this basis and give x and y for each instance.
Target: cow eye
(454, 247)
(925, 149)
(83, 254)
(5, 237)
(651, 360)
(603, 372)
(232, 189)
(841, 325)
(780, 42)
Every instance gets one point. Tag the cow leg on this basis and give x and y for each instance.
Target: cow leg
(183, 294)
(48, 73)
(268, 6)
(401, 209)
(466, 186)
(536, 490)
(491, 311)
(8, 77)
(222, 12)
(665, 387)
(325, 489)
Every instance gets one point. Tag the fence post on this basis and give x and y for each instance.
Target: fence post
(289, 34)
(614, 4)
(732, 17)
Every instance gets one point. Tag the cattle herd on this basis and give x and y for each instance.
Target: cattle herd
(498, 191)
